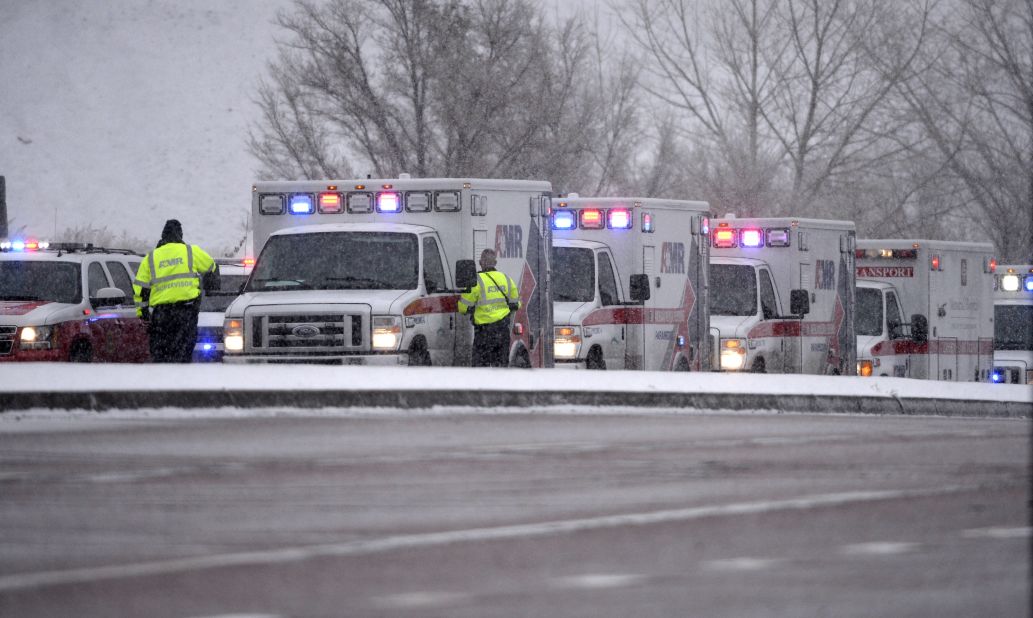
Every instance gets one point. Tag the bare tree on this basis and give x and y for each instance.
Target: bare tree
(430, 87)
(973, 98)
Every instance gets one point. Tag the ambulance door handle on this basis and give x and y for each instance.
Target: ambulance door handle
(622, 333)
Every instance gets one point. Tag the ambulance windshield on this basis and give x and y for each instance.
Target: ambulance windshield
(733, 289)
(868, 315)
(57, 282)
(338, 261)
(1013, 327)
(573, 275)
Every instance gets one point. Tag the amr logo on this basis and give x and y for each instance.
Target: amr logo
(672, 257)
(509, 241)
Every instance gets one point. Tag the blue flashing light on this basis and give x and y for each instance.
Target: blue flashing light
(997, 377)
(564, 220)
(18, 245)
(1028, 284)
(208, 347)
(302, 204)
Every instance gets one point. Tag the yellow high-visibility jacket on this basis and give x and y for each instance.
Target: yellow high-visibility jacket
(490, 298)
(171, 274)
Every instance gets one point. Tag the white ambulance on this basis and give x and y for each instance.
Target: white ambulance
(782, 295)
(1013, 324)
(924, 309)
(629, 283)
(369, 271)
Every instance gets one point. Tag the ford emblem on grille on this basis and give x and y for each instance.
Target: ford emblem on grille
(305, 331)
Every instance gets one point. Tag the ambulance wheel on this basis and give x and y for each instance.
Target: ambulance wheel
(419, 356)
(80, 353)
(595, 360)
(683, 365)
(758, 366)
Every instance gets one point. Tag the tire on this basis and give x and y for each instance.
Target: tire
(595, 360)
(521, 361)
(758, 366)
(81, 353)
(683, 365)
(419, 356)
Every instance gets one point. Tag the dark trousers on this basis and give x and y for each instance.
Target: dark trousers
(491, 344)
(173, 332)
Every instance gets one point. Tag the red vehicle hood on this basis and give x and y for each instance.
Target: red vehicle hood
(20, 307)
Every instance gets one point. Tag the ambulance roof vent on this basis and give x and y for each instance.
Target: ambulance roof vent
(730, 215)
(404, 176)
(573, 196)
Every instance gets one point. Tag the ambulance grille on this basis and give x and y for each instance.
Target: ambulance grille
(321, 332)
(7, 339)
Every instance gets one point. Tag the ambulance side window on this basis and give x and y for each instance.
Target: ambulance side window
(768, 303)
(607, 283)
(433, 271)
(96, 278)
(893, 318)
(121, 278)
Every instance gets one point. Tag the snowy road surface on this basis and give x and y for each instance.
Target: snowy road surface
(612, 512)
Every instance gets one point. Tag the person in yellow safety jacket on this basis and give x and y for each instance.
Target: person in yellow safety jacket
(492, 299)
(167, 291)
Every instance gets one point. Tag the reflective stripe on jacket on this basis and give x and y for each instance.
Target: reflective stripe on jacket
(171, 274)
(489, 297)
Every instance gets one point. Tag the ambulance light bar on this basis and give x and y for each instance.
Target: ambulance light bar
(726, 237)
(598, 219)
(1029, 283)
(302, 204)
(886, 254)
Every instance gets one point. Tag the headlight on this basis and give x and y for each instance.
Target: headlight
(36, 337)
(566, 341)
(387, 332)
(733, 354)
(233, 335)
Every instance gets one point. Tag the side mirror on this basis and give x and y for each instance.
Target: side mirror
(799, 302)
(919, 328)
(108, 297)
(466, 274)
(639, 285)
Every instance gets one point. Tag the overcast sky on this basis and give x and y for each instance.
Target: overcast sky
(119, 114)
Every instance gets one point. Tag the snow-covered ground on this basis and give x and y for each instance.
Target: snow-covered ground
(61, 377)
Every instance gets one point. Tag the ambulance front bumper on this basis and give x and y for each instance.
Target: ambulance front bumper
(378, 360)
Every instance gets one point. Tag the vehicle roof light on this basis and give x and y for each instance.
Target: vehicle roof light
(1028, 284)
(934, 263)
(724, 238)
(302, 204)
(704, 227)
(1010, 283)
(992, 265)
(751, 238)
(592, 219)
(619, 219)
(18, 245)
(778, 237)
(388, 202)
(647, 222)
(330, 203)
(271, 204)
(564, 220)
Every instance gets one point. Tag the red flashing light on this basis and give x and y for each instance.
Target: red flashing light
(724, 238)
(934, 262)
(993, 265)
(330, 203)
(592, 219)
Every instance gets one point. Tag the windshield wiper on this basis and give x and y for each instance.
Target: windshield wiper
(286, 282)
(362, 283)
